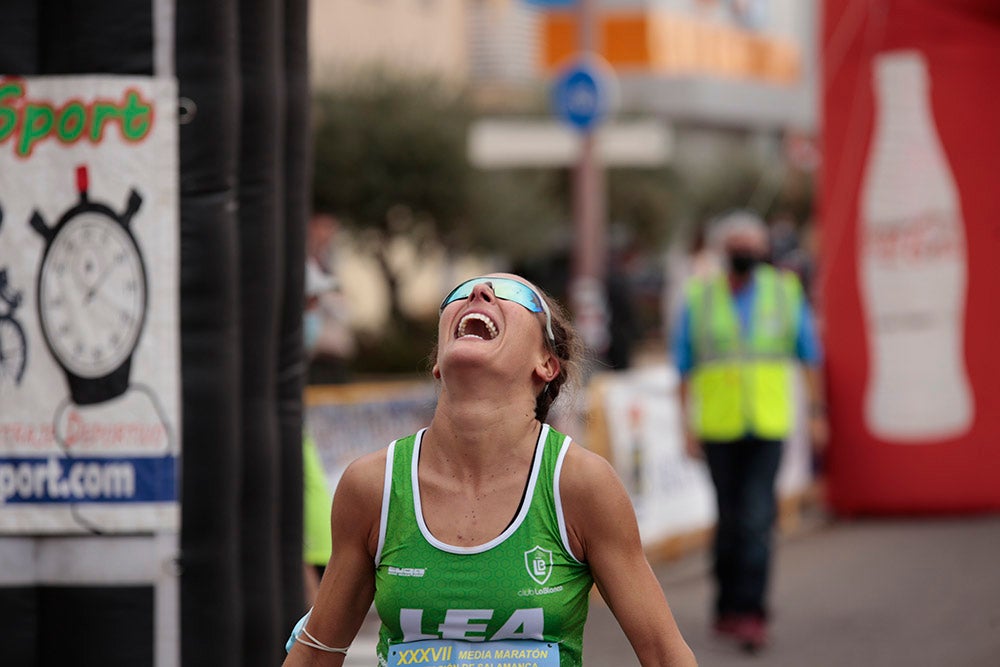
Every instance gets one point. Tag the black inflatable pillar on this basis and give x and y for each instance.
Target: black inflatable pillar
(261, 188)
(291, 360)
(208, 73)
(20, 53)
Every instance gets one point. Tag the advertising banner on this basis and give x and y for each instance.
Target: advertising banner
(909, 254)
(89, 324)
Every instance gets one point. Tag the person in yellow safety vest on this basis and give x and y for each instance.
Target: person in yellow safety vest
(316, 492)
(736, 344)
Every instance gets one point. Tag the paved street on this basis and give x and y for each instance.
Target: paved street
(874, 592)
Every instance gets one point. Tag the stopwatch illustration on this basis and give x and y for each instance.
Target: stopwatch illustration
(92, 294)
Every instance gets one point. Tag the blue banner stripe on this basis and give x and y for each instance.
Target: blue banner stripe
(53, 479)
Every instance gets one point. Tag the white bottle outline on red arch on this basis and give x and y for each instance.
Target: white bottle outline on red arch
(912, 265)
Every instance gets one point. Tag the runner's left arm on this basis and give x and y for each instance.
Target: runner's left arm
(603, 532)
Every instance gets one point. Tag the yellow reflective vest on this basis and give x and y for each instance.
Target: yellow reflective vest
(741, 383)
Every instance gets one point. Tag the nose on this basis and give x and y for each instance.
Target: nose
(483, 291)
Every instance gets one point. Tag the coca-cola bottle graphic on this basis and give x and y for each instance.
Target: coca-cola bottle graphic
(912, 263)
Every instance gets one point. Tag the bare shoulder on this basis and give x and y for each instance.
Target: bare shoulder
(594, 501)
(584, 471)
(363, 479)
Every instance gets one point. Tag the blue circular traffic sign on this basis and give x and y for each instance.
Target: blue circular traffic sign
(581, 94)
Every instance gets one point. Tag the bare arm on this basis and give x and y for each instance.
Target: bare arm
(603, 531)
(819, 429)
(348, 586)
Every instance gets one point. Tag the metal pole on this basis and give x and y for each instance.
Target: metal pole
(589, 253)
(588, 193)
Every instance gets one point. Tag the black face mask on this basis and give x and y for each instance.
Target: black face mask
(742, 263)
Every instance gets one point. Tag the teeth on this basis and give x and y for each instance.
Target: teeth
(490, 325)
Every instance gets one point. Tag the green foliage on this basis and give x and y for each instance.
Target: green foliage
(732, 185)
(391, 162)
(402, 350)
(744, 182)
(390, 158)
(644, 202)
(521, 213)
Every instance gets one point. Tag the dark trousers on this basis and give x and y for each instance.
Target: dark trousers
(743, 473)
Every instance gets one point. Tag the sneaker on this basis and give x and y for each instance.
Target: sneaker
(727, 624)
(751, 632)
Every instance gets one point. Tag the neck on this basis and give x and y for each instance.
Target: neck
(473, 433)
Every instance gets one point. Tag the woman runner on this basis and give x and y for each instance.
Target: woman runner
(479, 537)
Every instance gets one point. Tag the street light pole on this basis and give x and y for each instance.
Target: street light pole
(587, 291)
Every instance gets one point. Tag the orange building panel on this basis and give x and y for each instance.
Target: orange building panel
(623, 37)
(559, 39)
(626, 41)
(670, 43)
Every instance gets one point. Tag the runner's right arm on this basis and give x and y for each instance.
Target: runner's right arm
(348, 586)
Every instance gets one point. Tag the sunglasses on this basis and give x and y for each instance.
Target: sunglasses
(507, 289)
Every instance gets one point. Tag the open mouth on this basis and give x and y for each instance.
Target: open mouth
(477, 325)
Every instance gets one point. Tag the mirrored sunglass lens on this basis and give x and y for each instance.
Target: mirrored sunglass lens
(461, 292)
(503, 288)
(518, 293)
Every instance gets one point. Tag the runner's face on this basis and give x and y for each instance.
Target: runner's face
(478, 326)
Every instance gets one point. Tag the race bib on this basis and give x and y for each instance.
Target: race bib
(455, 653)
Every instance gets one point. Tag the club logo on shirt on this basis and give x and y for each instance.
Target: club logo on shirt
(539, 564)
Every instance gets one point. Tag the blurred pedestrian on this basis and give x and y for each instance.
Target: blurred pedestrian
(735, 344)
(316, 492)
(320, 236)
(790, 250)
(485, 531)
(623, 329)
(334, 344)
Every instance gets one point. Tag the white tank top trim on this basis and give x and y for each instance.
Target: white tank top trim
(383, 520)
(479, 548)
(560, 517)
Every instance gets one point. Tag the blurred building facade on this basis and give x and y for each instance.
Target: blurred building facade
(418, 36)
(726, 63)
(716, 77)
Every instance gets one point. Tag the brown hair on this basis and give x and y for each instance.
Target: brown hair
(567, 348)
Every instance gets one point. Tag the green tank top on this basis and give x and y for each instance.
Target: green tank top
(519, 599)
